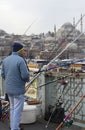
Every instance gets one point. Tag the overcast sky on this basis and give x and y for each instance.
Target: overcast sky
(16, 16)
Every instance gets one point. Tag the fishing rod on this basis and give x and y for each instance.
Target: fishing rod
(54, 81)
(29, 27)
(45, 67)
(61, 65)
(64, 64)
(66, 47)
(67, 35)
(67, 117)
(58, 54)
(54, 67)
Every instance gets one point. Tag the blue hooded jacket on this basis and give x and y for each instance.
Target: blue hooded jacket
(15, 73)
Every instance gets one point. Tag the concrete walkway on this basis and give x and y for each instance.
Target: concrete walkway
(39, 125)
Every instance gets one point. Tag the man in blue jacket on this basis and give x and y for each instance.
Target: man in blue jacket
(15, 73)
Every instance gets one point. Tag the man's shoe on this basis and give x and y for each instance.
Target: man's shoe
(21, 127)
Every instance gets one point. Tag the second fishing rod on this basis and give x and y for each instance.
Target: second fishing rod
(46, 66)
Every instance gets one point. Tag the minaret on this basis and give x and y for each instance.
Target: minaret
(81, 24)
(74, 22)
(55, 31)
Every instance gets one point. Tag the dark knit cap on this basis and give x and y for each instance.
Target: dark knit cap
(17, 46)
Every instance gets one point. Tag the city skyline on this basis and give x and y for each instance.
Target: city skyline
(38, 16)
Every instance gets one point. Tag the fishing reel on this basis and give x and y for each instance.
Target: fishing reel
(69, 123)
(59, 102)
(64, 82)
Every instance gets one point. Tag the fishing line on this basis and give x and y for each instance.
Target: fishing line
(66, 37)
(66, 48)
(67, 117)
(62, 65)
(29, 27)
(45, 67)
